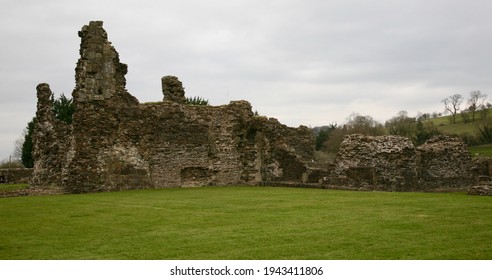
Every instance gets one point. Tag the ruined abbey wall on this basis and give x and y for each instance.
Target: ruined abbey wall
(378, 162)
(393, 163)
(115, 142)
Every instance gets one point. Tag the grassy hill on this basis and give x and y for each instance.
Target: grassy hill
(467, 129)
(460, 127)
(464, 127)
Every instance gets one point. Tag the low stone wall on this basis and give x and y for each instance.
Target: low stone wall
(480, 190)
(15, 175)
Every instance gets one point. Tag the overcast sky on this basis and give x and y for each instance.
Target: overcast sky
(310, 62)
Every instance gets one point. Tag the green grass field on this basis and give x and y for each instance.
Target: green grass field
(247, 223)
(483, 150)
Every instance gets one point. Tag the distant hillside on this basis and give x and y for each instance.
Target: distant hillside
(477, 134)
(464, 127)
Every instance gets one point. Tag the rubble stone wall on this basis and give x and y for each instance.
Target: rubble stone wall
(446, 163)
(393, 163)
(116, 143)
(15, 175)
(50, 139)
(387, 162)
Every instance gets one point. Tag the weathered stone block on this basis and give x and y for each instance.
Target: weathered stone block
(173, 89)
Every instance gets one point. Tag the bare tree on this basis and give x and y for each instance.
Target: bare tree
(475, 102)
(366, 125)
(484, 111)
(452, 105)
(17, 153)
(402, 124)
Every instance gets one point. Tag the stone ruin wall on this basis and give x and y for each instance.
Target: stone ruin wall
(393, 163)
(368, 161)
(50, 138)
(117, 143)
(15, 175)
(446, 161)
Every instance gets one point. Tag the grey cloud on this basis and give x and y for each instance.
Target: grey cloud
(303, 62)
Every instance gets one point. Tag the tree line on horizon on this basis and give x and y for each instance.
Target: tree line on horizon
(418, 129)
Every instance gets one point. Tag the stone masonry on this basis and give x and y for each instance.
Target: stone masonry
(393, 163)
(387, 162)
(446, 163)
(115, 142)
(15, 175)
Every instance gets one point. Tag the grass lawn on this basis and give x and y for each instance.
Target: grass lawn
(484, 150)
(247, 223)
